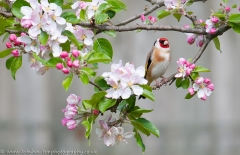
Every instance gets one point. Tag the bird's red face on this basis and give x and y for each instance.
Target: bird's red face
(163, 42)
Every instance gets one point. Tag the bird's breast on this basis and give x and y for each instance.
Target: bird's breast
(161, 65)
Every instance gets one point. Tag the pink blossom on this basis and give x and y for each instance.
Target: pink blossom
(59, 66)
(121, 136)
(202, 88)
(207, 81)
(190, 38)
(239, 8)
(73, 99)
(185, 68)
(9, 45)
(142, 17)
(200, 21)
(213, 31)
(18, 42)
(69, 63)
(152, 19)
(191, 91)
(75, 53)
(12, 37)
(23, 34)
(227, 9)
(15, 53)
(26, 23)
(93, 7)
(64, 54)
(209, 25)
(199, 40)
(64, 121)
(186, 26)
(65, 70)
(95, 112)
(210, 86)
(204, 98)
(70, 114)
(214, 19)
(76, 63)
(72, 124)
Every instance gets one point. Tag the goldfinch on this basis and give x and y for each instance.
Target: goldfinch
(157, 61)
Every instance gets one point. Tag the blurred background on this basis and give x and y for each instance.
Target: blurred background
(30, 107)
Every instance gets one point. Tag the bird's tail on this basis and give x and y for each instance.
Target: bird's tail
(143, 97)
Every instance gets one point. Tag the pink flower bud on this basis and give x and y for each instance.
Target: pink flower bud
(191, 91)
(191, 39)
(199, 80)
(212, 31)
(152, 19)
(69, 63)
(210, 86)
(186, 26)
(75, 53)
(214, 19)
(70, 114)
(200, 43)
(187, 63)
(15, 53)
(76, 63)
(17, 42)
(192, 66)
(26, 23)
(65, 70)
(12, 37)
(9, 45)
(95, 112)
(23, 34)
(64, 54)
(83, 5)
(227, 9)
(200, 21)
(59, 66)
(142, 17)
(207, 81)
(64, 121)
(182, 60)
(71, 124)
(204, 98)
(189, 71)
(239, 8)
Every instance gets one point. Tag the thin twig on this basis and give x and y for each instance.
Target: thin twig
(6, 14)
(94, 84)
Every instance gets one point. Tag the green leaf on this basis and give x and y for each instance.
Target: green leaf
(66, 6)
(235, 27)
(106, 103)
(52, 62)
(83, 15)
(66, 46)
(139, 140)
(234, 18)
(58, 2)
(217, 43)
(201, 69)
(9, 62)
(218, 14)
(67, 82)
(101, 83)
(43, 37)
(87, 123)
(189, 12)
(178, 82)
(88, 71)
(97, 57)
(122, 105)
(104, 46)
(189, 2)
(111, 13)
(225, 1)
(194, 75)
(145, 126)
(16, 7)
(16, 64)
(93, 102)
(70, 17)
(84, 78)
(44, 62)
(104, 7)
(234, 6)
(131, 102)
(110, 33)
(185, 83)
(5, 5)
(163, 13)
(137, 112)
(117, 5)
(101, 18)
(5, 36)
(188, 96)
(147, 92)
(6, 52)
(177, 16)
(73, 39)
(3, 25)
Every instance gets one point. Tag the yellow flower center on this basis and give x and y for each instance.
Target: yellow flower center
(32, 60)
(83, 37)
(47, 8)
(115, 86)
(201, 86)
(181, 70)
(95, 8)
(130, 84)
(119, 138)
(39, 26)
(54, 17)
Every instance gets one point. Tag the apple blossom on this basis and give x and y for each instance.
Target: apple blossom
(64, 121)
(227, 9)
(214, 19)
(65, 70)
(191, 91)
(185, 68)
(15, 53)
(79, 4)
(69, 63)
(173, 4)
(75, 53)
(93, 6)
(142, 17)
(95, 112)
(9, 45)
(12, 37)
(73, 99)
(64, 54)
(59, 66)
(190, 38)
(122, 136)
(199, 40)
(76, 63)
(72, 124)
(213, 31)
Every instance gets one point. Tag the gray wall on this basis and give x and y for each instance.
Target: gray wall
(30, 107)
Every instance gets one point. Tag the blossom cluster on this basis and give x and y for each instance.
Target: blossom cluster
(71, 62)
(174, 4)
(124, 80)
(70, 111)
(191, 37)
(15, 42)
(90, 7)
(112, 135)
(185, 68)
(203, 87)
(150, 21)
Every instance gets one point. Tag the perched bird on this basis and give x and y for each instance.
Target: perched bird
(157, 61)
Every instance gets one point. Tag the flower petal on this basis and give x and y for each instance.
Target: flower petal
(137, 90)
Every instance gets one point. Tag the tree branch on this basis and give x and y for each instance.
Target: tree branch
(6, 14)
(92, 83)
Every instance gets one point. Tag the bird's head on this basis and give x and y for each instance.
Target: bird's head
(161, 43)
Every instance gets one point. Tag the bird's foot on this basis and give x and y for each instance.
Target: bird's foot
(158, 85)
(165, 80)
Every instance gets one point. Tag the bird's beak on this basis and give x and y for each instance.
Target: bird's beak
(165, 43)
